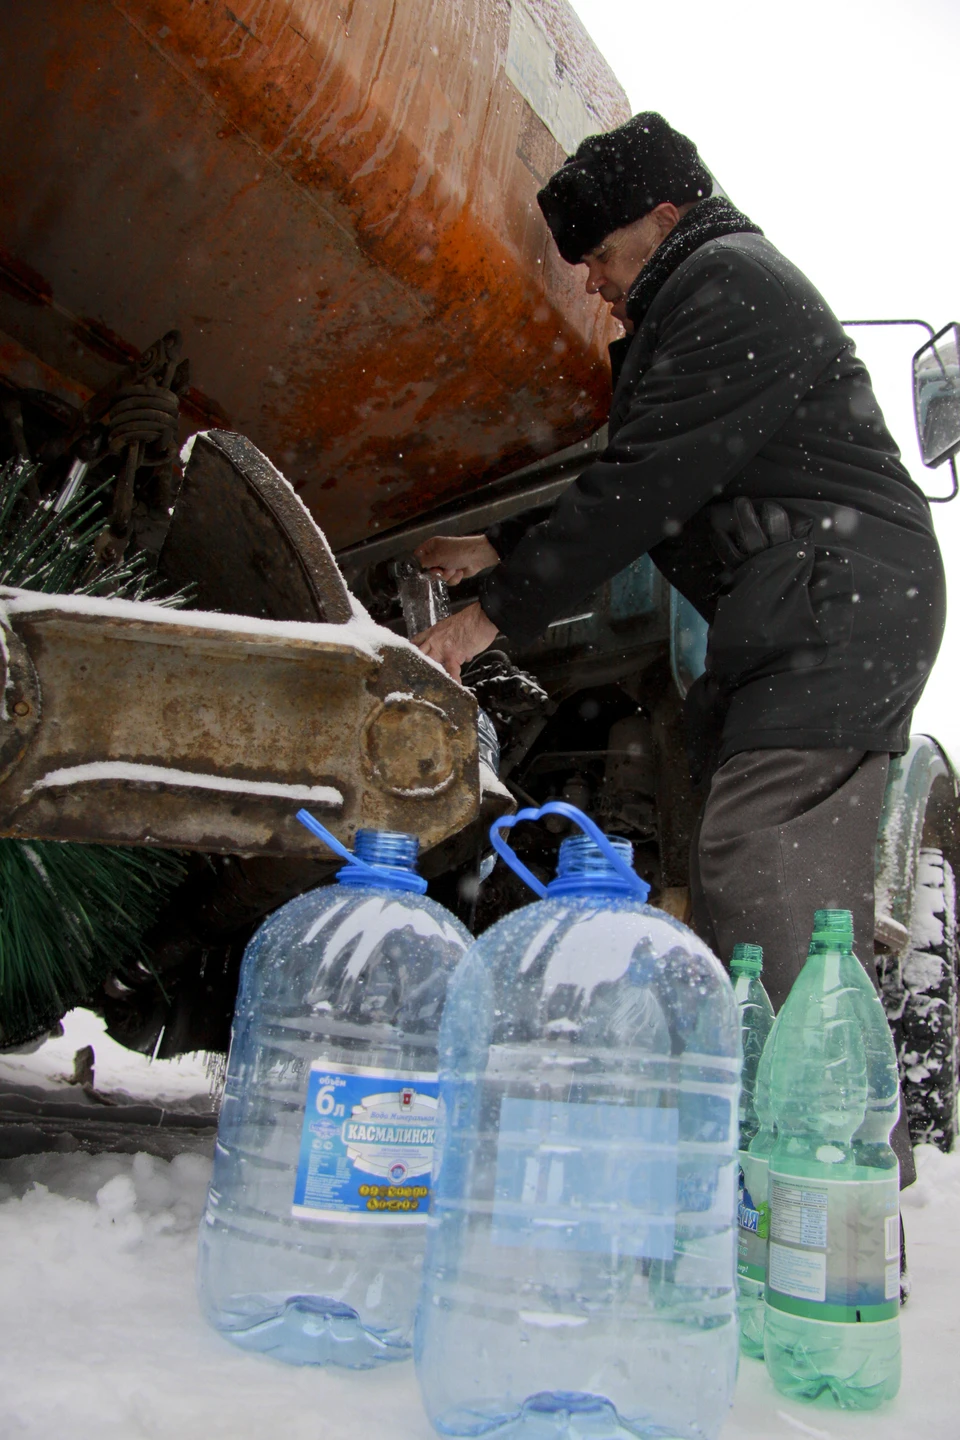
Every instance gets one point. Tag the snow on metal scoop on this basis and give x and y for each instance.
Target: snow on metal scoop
(136, 724)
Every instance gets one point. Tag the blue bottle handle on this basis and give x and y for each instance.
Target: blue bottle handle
(569, 812)
(322, 833)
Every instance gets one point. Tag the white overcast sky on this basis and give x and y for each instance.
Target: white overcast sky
(835, 124)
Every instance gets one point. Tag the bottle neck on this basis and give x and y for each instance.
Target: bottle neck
(832, 931)
(747, 960)
(583, 869)
(389, 862)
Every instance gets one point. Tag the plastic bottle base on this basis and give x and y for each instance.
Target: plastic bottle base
(751, 1326)
(857, 1366)
(552, 1415)
(308, 1330)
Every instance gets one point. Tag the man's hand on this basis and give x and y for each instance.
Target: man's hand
(741, 531)
(457, 639)
(457, 557)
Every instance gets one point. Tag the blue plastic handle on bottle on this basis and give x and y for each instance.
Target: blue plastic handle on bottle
(591, 830)
(379, 874)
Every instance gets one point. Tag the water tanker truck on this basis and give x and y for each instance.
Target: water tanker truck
(329, 209)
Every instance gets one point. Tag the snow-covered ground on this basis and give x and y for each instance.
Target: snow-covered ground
(119, 1073)
(101, 1339)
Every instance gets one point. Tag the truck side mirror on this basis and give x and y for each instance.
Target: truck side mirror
(936, 398)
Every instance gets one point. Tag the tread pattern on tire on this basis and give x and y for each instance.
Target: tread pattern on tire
(920, 998)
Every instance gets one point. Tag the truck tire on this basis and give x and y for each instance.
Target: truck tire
(920, 995)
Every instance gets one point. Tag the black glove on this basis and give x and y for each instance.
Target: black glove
(739, 531)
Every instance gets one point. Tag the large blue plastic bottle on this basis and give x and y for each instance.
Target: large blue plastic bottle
(580, 1277)
(312, 1239)
(832, 1324)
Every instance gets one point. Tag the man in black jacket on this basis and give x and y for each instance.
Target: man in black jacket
(748, 456)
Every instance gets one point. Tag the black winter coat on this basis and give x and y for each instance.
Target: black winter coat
(740, 381)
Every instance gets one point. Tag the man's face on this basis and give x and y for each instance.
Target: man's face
(617, 261)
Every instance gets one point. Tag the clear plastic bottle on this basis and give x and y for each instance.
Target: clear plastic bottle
(833, 1283)
(580, 1269)
(753, 1211)
(312, 1239)
(753, 1316)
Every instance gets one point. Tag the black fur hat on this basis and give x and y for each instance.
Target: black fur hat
(616, 178)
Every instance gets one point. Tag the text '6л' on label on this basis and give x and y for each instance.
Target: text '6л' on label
(366, 1147)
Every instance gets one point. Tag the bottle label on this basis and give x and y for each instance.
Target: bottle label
(753, 1217)
(834, 1248)
(600, 1178)
(366, 1146)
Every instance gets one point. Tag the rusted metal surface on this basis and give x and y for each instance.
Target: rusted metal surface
(20, 709)
(208, 732)
(334, 201)
(25, 371)
(525, 489)
(135, 724)
(243, 539)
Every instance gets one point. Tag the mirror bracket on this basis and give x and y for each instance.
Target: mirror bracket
(950, 453)
(936, 402)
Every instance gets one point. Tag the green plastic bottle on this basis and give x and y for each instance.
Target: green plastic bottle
(753, 1211)
(832, 1323)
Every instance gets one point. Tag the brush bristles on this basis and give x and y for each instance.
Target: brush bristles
(70, 915)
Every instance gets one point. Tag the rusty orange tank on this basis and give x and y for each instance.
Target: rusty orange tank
(335, 201)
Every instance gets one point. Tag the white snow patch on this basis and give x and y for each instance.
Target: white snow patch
(922, 971)
(491, 784)
(550, 1320)
(101, 1337)
(360, 632)
(423, 792)
(930, 868)
(161, 774)
(180, 1084)
(398, 697)
(938, 1184)
(926, 923)
(5, 659)
(186, 450)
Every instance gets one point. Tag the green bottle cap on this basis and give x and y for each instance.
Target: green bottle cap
(833, 927)
(747, 960)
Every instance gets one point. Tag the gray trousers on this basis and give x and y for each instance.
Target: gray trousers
(784, 833)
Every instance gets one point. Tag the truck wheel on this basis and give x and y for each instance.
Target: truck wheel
(920, 995)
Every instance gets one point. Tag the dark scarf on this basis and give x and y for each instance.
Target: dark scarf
(708, 220)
